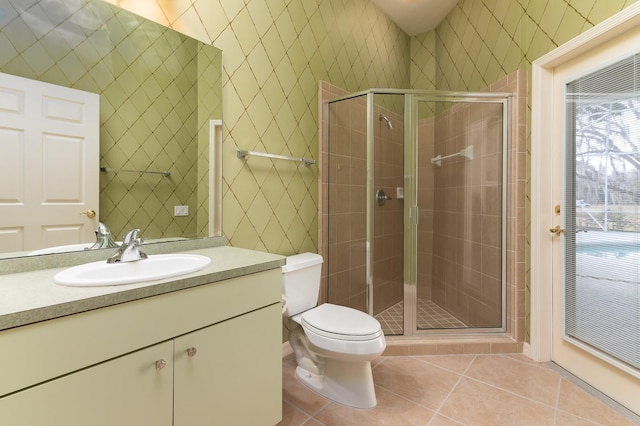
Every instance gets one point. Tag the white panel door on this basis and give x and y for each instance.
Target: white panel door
(49, 164)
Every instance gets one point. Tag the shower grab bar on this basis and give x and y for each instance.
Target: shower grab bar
(164, 173)
(242, 154)
(465, 152)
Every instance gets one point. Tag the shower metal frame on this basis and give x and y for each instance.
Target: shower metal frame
(410, 218)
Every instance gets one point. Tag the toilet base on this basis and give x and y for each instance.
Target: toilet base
(348, 383)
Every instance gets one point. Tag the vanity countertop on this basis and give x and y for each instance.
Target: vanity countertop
(29, 297)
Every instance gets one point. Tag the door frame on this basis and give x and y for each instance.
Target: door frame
(542, 216)
(215, 178)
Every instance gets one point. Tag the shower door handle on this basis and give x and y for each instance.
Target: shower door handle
(413, 214)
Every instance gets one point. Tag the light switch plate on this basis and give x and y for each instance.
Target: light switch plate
(181, 210)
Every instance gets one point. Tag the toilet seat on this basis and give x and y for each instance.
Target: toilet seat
(341, 323)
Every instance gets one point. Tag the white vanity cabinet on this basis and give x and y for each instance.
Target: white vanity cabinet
(227, 375)
(209, 354)
(128, 390)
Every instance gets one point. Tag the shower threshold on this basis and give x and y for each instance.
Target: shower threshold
(428, 316)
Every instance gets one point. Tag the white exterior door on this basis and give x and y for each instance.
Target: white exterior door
(585, 298)
(49, 164)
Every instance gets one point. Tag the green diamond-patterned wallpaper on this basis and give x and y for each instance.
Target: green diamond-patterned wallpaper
(481, 41)
(271, 105)
(274, 54)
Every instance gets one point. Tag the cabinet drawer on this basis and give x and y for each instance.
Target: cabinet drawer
(42, 351)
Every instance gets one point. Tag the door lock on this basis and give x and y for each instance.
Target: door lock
(557, 230)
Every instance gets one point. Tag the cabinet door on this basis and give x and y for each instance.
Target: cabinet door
(235, 377)
(129, 390)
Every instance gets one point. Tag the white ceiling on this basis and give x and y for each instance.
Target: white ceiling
(416, 16)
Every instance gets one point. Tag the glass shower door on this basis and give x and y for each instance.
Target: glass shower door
(346, 267)
(386, 286)
(416, 209)
(460, 256)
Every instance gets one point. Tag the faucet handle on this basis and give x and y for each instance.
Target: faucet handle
(103, 238)
(132, 236)
(129, 251)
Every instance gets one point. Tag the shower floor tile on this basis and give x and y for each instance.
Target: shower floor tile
(428, 316)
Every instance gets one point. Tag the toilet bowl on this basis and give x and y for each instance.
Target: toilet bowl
(334, 345)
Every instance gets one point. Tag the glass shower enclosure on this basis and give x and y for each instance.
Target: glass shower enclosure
(414, 208)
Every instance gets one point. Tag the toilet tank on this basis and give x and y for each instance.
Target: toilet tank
(301, 282)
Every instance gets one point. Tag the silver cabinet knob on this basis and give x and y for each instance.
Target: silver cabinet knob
(160, 364)
(192, 351)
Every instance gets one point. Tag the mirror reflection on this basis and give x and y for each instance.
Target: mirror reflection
(159, 99)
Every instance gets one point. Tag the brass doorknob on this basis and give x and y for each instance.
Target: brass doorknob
(90, 213)
(557, 230)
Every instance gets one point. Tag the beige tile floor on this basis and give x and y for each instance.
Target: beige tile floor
(455, 390)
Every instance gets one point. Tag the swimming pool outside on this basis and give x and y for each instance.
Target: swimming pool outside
(604, 302)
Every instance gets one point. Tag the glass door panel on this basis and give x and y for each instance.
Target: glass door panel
(602, 244)
(387, 283)
(347, 178)
(460, 199)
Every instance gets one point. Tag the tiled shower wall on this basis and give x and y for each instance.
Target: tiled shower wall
(516, 238)
(344, 200)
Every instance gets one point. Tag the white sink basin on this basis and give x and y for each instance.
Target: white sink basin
(60, 249)
(155, 267)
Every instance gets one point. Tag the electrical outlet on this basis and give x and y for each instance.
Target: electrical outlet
(181, 210)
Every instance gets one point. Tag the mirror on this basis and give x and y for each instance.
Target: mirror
(160, 99)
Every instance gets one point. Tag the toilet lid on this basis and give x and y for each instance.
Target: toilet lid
(341, 322)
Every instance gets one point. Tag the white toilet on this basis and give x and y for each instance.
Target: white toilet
(334, 345)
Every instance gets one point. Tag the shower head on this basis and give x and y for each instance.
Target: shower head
(389, 125)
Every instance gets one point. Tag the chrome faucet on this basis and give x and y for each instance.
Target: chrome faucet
(129, 251)
(103, 238)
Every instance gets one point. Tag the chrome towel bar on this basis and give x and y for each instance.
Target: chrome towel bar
(466, 153)
(163, 173)
(242, 154)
